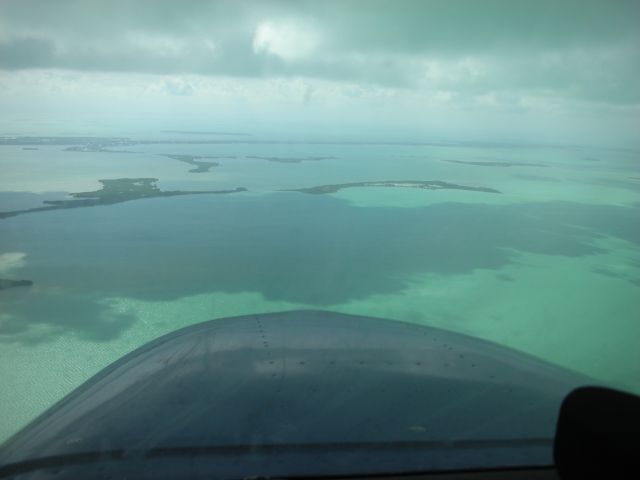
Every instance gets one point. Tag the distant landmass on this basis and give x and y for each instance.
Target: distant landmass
(69, 140)
(59, 140)
(101, 147)
(497, 164)
(426, 185)
(115, 191)
(196, 132)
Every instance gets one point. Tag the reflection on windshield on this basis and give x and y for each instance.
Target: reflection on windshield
(458, 167)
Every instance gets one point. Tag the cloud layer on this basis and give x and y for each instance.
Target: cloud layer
(583, 49)
(504, 69)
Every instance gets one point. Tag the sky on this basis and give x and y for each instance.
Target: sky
(495, 70)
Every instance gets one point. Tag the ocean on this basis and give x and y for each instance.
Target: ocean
(549, 264)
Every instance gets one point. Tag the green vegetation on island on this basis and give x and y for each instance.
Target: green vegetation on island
(116, 191)
(420, 184)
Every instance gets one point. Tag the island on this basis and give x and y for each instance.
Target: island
(290, 159)
(5, 284)
(201, 167)
(113, 191)
(497, 164)
(419, 184)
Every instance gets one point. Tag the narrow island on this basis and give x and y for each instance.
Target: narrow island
(201, 167)
(113, 191)
(5, 283)
(419, 184)
(290, 159)
(497, 164)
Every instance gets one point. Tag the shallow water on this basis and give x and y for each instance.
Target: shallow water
(551, 266)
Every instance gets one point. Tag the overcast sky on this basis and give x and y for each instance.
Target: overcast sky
(553, 71)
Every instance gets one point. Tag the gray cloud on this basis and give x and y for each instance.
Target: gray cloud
(26, 52)
(583, 49)
(470, 26)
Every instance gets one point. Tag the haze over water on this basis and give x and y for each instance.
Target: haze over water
(533, 242)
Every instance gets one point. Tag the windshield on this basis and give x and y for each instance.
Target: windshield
(469, 166)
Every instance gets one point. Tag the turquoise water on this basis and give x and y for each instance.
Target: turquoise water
(551, 266)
